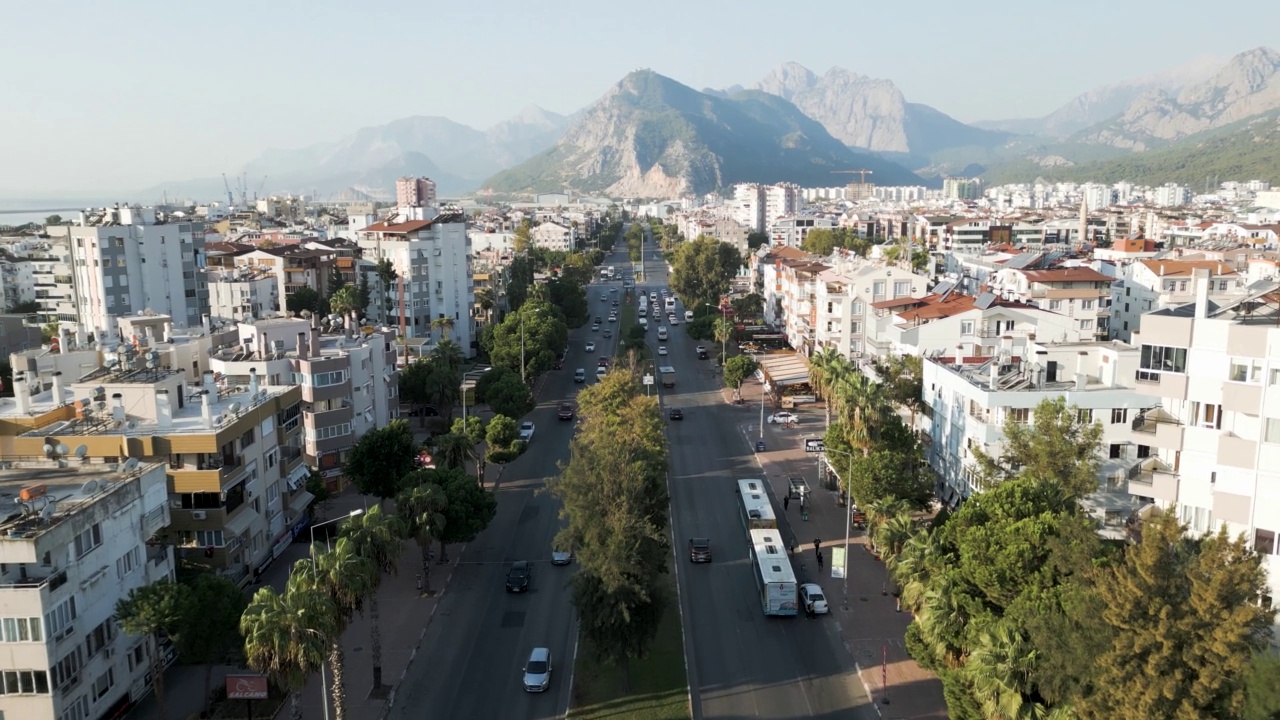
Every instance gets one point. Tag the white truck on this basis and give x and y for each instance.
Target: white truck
(668, 374)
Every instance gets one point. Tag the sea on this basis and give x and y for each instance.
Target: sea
(10, 218)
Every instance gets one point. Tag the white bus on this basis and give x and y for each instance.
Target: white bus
(774, 576)
(670, 304)
(757, 510)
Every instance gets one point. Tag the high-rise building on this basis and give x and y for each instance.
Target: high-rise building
(959, 188)
(415, 192)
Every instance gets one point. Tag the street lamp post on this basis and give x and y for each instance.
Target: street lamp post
(848, 519)
(324, 682)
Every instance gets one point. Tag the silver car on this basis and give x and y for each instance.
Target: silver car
(537, 672)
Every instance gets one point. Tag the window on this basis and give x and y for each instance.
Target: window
(902, 288)
(1246, 370)
(21, 629)
(100, 637)
(855, 308)
(1086, 304)
(1272, 432)
(1119, 415)
(67, 669)
(25, 682)
(855, 328)
(1020, 416)
(209, 538)
(877, 288)
(1084, 415)
(79, 709)
(104, 684)
(1055, 304)
(1264, 541)
(1115, 451)
(57, 622)
(1206, 415)
(1161, 358)
(329, 432)
(1086, 324)
(966, 327)
(129, 562)
(88, 539)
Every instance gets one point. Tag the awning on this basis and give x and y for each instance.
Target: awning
(784, 369)
(296, 478)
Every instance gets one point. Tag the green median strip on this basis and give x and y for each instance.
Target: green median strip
(658, 688)
(628, 314)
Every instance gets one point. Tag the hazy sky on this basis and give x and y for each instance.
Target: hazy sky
(97, 99)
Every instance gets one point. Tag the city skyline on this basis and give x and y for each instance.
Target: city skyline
(273, 77)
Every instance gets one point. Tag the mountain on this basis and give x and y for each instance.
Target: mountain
(1248, 85)
(871, 113)
(369, 160)
(650, 136)
(1104, 103)
(1245, 150)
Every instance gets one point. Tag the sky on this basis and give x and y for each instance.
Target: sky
(96, 100)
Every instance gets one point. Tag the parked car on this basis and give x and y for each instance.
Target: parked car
(783, 418)
(811, 593)
(700, 550)
(566, 411)
(519, 577)
(526, 431)
(676, 414)
(537, 671)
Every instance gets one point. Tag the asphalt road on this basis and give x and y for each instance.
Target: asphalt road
(742, 664)
(472, 660)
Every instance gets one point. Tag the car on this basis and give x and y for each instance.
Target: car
(604, 296)
(662, 349)
(601, 372)
(526, 431)
(561, 557)
(615, 292)
(700, 550)
(595, 328)
(673, 320)
(520, 576)
(615, 304)
(811, 593)
(537, 671)
(702, 352)
(613, 317)
(783, 418)
(676, 414)
(603, 361)
(424, 411)
(591, 347)
(688, 316)
(566, 411)
(608, 333)
(558, 364)
(580, 375)
(599, 320)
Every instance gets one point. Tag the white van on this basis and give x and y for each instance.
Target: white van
(688, 316)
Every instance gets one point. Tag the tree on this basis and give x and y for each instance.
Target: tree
(468, 509)
(570, 299)
(1263, 687)
(522, 240)
(444, 326)
(207, 631)
(422, 504)
(510, 397)
(287, 635)
(147, 612)
(538, 326)
(621, 623)
(703, 270)
(451, 451)
(1059, 445)
(347, 578)
(304, 298)
(747, 306)
(519, 280)
(377, 537)
(345, 301)
(577, 270)
(387, 276)
(904, 381)
(755, 240)
(500, 435)
(472, 428)
(822, 241)
(1186, 624)
(737, 369)
(53, 220)
(487, 302)
(26, 307)
(491, 377)
(416, 387)
(381, 458)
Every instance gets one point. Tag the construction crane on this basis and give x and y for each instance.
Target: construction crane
(231, 201)
(260, 186)
(863, 173)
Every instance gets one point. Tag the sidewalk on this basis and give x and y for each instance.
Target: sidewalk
(863, 609)
(405, 614)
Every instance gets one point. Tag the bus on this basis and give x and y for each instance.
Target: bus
(774, 576)
(757, 510)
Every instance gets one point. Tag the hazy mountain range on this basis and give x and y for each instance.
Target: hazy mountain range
(652, 136)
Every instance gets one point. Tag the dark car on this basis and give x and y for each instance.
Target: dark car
(519, 577)
(676, 414)
(557, 365)
(700, 550)
(566, 411)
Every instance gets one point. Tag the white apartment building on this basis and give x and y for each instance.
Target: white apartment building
(128, 259)
(553, 236)
(433, 260)
(780, 200)
(1171, 195)
(1083, 294)
(949, 321)
(843, 298)
(1155, 284)
(756, 206)
(77, 541)
(1211, 376)
(17, 283)
(247, 291)
(970, 398)
(791, 230)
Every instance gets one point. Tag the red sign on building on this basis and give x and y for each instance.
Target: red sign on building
(246, 687)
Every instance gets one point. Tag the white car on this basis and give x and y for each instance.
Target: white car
(662, 349)
(783, 418)
(595, 328)
(673, 320)
(613, 318)
(601, 372)
(537, 672)
(526, 431)
(591, 347)
(604, 296)
(811, 593)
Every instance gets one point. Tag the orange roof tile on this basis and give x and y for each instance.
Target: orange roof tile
(1184, 268)
(1066, 275)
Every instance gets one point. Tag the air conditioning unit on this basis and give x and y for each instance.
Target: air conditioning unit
(199, 515)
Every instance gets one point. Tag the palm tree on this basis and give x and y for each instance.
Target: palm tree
(943, 618)
(447, 353)
(916, 564)
(452, 451)
(999, 669)
(892, 536)
(487, 302)
(820, 364)
(377, 537)
(387, 274)
(723, 330)
(149, 611)
(423, 507)
(347, 578)
(346, 302)
(287, 636)
(879, 512)
(444, 325)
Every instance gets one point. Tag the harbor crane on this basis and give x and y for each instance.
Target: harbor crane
(231, 201)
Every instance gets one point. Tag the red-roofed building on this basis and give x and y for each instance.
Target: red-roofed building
(947, 321)
(1080, 293)
(1154, 284)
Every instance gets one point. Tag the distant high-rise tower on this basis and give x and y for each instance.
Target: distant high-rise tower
(415, 192)
(1084, 220)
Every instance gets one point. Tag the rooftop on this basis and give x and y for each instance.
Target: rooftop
(44, 493)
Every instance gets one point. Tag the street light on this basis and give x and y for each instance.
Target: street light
(848, 518)
(315, 569)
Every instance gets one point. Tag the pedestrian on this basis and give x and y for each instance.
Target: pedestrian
(817, 545)
(793, 547)
(810, 612)
(786, 502)
(819, 559)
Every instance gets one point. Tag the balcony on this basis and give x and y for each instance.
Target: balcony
(209, 473)
(1154, 479)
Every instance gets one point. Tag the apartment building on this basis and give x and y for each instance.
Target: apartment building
(1155, 284)
(1083, 294)
(553, 236)
(1211, 378)
(844, 297)
(242, 293)
(415, 192)
(947, 320)
(432, 260)
(79, 538)
(294, 267)
(757, 206)
(53, 286)
(128, 259)
(969, 398)
(791, 230)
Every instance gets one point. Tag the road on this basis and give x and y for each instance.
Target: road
(741, 663)
(474, 651)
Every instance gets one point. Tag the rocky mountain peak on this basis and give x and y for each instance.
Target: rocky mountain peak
(786, 80)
